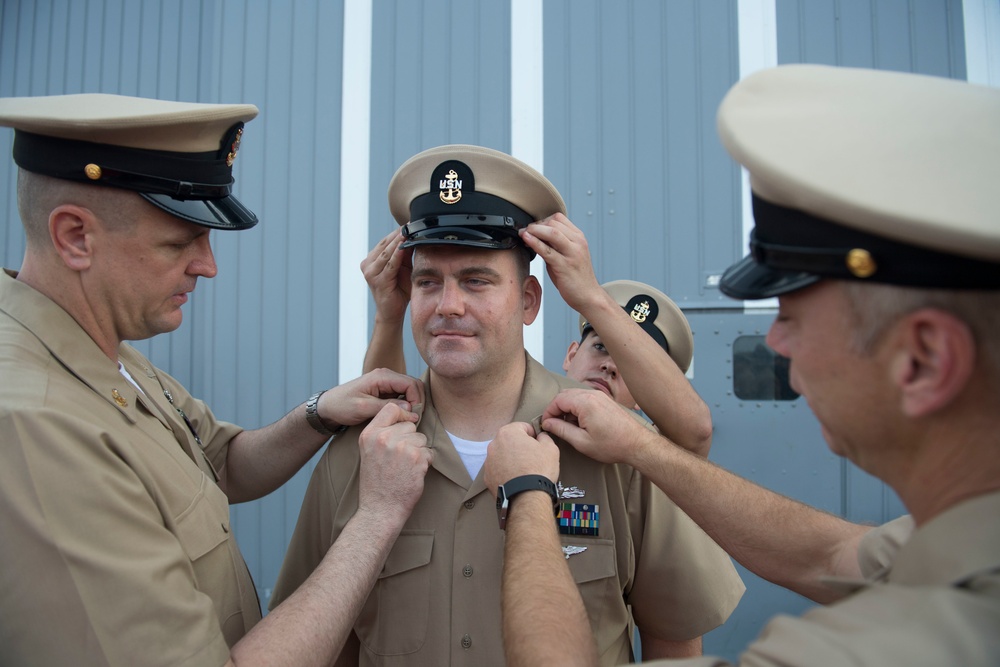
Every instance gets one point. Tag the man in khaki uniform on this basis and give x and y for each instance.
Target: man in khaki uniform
(639, 358)
(115, 482)
(437, 601)
(876, 207)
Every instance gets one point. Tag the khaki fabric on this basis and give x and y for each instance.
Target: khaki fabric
(879, 547)
(116, 541)
(938, 603)
(437, 600)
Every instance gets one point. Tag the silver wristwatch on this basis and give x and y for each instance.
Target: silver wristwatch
(312, 415)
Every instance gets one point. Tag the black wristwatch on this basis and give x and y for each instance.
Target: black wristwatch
(505, 492)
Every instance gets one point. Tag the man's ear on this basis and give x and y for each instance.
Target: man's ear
(532, 295)
(570, 354)
(70, 228)
(935, 360)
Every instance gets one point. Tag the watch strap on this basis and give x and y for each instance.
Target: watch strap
(507, 491)
(312, 415)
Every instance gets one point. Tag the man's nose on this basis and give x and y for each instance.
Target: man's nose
(776, 338)
(203, 263)
(451, 302)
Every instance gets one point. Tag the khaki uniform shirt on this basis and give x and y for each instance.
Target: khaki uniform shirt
(937, 604)
(115, 540)
(437, 600)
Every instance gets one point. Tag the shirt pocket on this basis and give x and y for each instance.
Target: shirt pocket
(394, 618)
(202, 526)
(595, 573)
(203, 531)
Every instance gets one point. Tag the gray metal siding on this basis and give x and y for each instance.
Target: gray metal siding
(630, 96)
(922, 36)
(631, 93)
(440, 75)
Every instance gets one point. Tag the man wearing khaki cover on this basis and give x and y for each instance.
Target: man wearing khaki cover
(876, 207)
(437, 602)
(115, 482)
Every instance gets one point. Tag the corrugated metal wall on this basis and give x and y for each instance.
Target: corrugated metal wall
(630, 92)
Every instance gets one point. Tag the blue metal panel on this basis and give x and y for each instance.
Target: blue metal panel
(922, 36)
(630, 102)
(440, 75)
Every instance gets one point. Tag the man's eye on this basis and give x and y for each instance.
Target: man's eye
(477, 282)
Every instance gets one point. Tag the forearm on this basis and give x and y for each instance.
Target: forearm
(311, 626)
(652, 377)
(261, 460)
(385, 350)
(777, 538)
(544, 620)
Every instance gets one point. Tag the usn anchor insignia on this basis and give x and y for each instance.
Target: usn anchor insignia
(451, 188)
(640, 312)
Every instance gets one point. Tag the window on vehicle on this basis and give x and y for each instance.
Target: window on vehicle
(758, 373)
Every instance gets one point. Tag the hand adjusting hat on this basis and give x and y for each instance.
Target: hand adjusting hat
(469, 195)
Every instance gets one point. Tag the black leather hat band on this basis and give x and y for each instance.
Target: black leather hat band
(182, 175)
(473, 204)
(789, 240)
(649, 328)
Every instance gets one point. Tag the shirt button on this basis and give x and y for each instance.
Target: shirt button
(469, 504)
(466, 641)
(467, 571)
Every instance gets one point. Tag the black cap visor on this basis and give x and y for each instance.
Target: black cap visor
(492, 232)
(195, 187)
(749, 280)
(791, 249)
(224, 213)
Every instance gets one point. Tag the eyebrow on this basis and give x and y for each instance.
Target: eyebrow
(462, 273)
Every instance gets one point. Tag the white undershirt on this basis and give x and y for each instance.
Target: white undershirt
(128, 376)
(473, 453)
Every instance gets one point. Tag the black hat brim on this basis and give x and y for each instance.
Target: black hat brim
(222, 213)
(749, 280)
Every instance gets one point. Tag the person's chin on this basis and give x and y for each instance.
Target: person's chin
(447, 361)
(169, 322)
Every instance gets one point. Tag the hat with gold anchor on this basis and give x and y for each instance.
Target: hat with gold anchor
(656, 314)
(177, 155)
(865, 175)
(469, 195)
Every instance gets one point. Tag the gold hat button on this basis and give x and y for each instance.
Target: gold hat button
(860, 263)
(92, 171)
